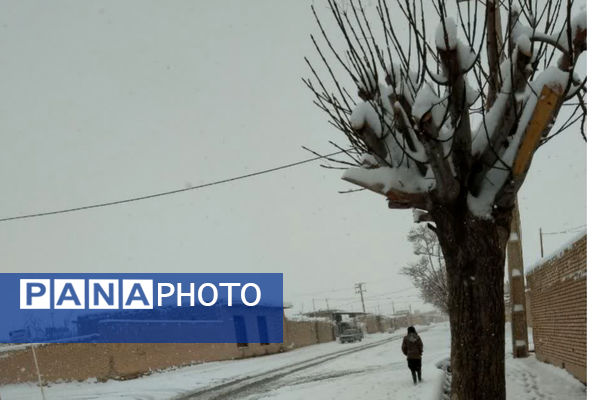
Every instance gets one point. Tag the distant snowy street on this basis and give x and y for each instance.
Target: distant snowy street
(372, 369)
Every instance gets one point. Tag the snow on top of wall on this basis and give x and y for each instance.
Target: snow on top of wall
(557, 253)
(13, 347)
(304, 318)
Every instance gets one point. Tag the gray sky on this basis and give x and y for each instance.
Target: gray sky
(109, 99)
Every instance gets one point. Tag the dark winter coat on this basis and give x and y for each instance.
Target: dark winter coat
(412, 346)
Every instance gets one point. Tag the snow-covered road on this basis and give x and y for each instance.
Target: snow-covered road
(372, 369)
(378, 372)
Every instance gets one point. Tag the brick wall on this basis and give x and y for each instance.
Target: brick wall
(557, 294)
(305, 333)
(372, 323)
(80, 361)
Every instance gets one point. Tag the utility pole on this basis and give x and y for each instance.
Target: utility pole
(514, 253)
(359, 288)
(37, 369)
(541, 243)
(514, 247)
(314, 309)
(327, 303)
(393, 309)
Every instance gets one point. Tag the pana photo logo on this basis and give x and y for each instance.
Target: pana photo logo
(128, 294)
(141, 308)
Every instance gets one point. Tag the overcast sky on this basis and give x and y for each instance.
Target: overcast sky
(106, 100)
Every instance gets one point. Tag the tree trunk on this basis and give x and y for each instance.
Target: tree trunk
(474, 251)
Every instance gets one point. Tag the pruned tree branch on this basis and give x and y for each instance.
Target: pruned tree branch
(436, 120)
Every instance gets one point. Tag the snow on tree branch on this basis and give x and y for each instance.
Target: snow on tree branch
(440, 119)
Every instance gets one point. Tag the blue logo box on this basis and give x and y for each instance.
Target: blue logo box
(141, 308)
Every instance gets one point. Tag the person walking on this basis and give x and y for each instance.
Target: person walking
(412, 347)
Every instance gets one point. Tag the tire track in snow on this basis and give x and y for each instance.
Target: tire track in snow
(249, 385)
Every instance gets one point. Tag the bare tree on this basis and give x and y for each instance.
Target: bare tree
(448, 124)
(428, 274)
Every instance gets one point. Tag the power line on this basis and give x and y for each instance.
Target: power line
(570, 230)
(376, 282)
(403, 290)
(367, 299)
(579, 228)
(170, 192)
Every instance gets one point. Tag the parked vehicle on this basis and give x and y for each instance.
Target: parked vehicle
(351, 335)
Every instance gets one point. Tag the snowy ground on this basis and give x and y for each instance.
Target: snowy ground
(373, 369)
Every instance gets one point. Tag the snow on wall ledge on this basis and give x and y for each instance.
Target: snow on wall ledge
(557, 253)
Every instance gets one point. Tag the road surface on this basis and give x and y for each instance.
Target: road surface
(374, 370)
